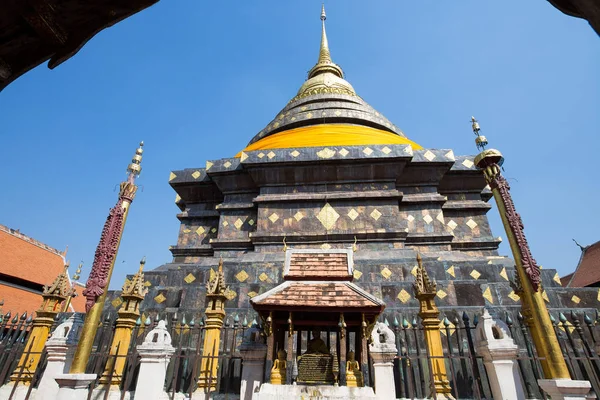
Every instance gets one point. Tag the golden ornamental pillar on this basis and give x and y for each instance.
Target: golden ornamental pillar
(132, 294)
(53, 297)
(528, 272)
(425, 292)
(215, 315)
(104, 262)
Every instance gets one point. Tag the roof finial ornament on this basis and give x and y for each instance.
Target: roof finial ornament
(325, 64)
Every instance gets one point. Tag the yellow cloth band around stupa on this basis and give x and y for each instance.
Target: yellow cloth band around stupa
(328, 135)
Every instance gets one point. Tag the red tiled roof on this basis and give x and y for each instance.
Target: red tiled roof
(588, 269)
(314, 266)
(328, 295)
(26, 258)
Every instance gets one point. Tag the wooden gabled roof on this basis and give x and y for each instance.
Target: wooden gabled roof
(33, 31)
(587, 272)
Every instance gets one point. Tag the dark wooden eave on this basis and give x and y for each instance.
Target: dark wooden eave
(33, 31)
(586, 9)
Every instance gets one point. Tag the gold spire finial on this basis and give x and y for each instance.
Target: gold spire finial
(142, 263)
(325, 64)
(135, 167)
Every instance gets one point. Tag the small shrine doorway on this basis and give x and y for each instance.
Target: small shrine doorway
(317, 322)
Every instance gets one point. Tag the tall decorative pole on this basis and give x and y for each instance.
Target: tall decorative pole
(133, 293)
(104, 262)
(215, 315)
(528, 272)
(425, 292)
(54, 295)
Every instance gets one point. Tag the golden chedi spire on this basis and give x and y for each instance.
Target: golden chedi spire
(135, 287)
(423, 284)
(325, 76)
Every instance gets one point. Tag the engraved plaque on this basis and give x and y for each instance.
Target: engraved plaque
(315, 368)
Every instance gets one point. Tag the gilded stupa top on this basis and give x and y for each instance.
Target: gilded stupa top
(327, 111)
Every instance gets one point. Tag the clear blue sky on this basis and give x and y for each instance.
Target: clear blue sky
(197, 80)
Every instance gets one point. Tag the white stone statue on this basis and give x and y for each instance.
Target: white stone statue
(158, 337)
(383, 339)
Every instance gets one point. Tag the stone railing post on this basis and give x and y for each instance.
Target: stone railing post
(383, 351)
(60, 349)
(155, 353)
(254, 353)
(499, 353)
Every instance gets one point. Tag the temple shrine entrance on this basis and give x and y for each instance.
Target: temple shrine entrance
(318, 322)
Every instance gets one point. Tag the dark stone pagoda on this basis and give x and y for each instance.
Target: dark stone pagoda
(330, 172)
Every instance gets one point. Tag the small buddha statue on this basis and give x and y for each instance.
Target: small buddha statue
(316, 345)
(279, 370)
(354, 377)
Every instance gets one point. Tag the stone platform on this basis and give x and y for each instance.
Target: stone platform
(320, 392)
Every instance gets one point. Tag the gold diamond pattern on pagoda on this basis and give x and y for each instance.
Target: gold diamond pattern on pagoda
(147, 283)
(575, 299)
(208, 165)
(230, 294)
(273, 217)
(252, 294)
(325, 246)
(451, 271)
(298, 216)
(451, 328)
(503, 274)
(487, 294)
(468, 163)
(270, 155)
(196, 174)
(328, 216)
(386, 273)
(172, 176)
(386, 150)
(375, 214)
(368, 151)
(427, 219)
(177, 198)
(450, 155)
(189, 278)
(429, 155)
(545, 296)
(343, 152)
(213, 230)
(441, 294)
(440, 217)
(414, 270)
(225, 223)
(513, 296)
(187, 230)
(471, 224)
(200, 230)
(295, 153)
(410, 218)
(238, 223)
(243, 156)
(403, 296)
(475, 274)
(352, 214)
(117, 302)
(357, 274)
(452, 225)
(263, 277)
(326, 153)
(309, 115)
(160, 298)
(569, 325)
(557, 279)
(261, 155)
(241, 276)
(227, 164)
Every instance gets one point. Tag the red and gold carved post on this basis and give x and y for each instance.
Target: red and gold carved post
(528, 272)
(104, 262)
